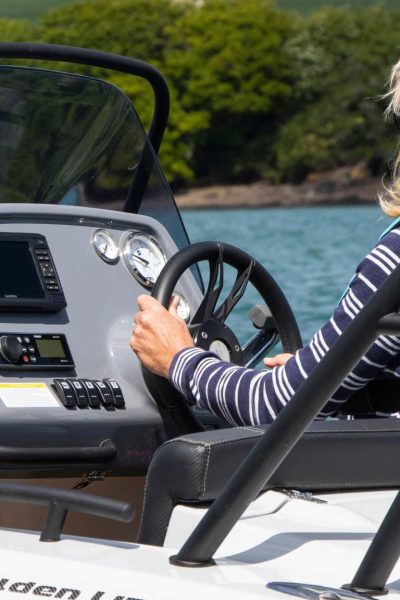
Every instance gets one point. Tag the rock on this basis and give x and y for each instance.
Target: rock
(347, 185)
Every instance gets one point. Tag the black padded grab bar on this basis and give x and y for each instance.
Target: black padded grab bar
(61, 501)
(105, 452)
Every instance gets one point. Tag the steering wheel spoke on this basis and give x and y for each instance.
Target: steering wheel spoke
(215, 284)
(236, 293)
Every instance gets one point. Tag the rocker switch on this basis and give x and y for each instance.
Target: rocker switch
(82, 400)
(116, 391)
(65, 392)
(106, 396)
(92, 392)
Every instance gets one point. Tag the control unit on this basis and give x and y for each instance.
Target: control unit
(28, 351)
(29, 280)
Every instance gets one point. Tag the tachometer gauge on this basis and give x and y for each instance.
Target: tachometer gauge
(144, 258)
(105, 245)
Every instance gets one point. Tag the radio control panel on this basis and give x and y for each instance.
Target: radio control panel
(26, 351)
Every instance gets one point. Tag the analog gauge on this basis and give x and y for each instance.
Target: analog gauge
(144, 258)
(183, 309)
(105, 245)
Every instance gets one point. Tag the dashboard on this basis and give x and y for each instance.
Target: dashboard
(72, 397)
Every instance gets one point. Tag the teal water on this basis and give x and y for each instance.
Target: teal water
(311, 252)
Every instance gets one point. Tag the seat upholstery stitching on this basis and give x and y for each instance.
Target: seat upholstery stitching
(203, 483)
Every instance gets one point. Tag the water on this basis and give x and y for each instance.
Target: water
(312, 252)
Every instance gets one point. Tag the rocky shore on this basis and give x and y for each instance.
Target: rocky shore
(341, 186)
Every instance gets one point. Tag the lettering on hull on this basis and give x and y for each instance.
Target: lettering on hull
(39, 590)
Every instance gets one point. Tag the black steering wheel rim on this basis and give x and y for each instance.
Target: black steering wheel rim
(167, 398)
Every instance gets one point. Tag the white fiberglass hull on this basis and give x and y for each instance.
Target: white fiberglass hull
(277, 539)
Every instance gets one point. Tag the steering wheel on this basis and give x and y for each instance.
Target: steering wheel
(208, 327)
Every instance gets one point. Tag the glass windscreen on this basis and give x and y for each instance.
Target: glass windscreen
(75, 140)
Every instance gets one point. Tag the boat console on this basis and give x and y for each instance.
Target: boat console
(87, 222)
(71, 389)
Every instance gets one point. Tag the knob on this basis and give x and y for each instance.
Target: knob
(261, 317)
(10, 348)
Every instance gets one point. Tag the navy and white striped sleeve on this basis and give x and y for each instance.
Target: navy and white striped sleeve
(251, 397)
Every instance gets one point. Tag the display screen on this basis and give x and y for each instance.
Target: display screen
(18, 275)
(50, 348)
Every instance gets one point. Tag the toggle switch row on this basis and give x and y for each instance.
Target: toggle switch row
(89, 393)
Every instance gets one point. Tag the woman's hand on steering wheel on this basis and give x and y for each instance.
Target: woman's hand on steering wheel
(278, 360)
(158, 334)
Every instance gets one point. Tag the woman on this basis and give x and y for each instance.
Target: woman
(242, 396)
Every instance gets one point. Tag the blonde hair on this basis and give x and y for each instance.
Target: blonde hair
(390, 200)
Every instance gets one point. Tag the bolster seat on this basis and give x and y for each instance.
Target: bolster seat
(331, 456)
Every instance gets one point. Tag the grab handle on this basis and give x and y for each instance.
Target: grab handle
(59, 502)
(105, 452)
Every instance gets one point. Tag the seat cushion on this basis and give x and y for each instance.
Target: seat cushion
(331, 456)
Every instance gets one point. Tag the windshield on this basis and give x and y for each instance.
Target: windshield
(72, 139)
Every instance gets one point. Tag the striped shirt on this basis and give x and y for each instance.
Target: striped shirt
(244, 396)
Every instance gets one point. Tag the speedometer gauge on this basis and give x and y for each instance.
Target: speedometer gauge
(105, 245)
(144, 258)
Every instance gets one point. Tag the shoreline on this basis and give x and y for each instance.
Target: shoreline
(343, 186)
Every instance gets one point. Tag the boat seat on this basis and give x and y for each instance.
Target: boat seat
(333, 455)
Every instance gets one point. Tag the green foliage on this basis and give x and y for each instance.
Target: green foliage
(305, 7)
(138, 28)
(27, 9)
(227, 61)
(256, 91)
(32, 9)
(342, 58)
(16, 30)
(131, 27)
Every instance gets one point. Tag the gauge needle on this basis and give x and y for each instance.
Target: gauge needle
(140, 259)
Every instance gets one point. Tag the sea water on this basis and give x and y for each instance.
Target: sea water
(311, 252)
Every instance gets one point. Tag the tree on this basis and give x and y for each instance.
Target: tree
(228, 63)
(342, 58)
(17, 30)
(128, 27)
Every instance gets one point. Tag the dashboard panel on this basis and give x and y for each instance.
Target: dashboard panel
(72, 397)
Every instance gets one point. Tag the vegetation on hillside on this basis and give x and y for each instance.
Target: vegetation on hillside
(257, 92)
(305, 7)
(28, 9)
(32, 9)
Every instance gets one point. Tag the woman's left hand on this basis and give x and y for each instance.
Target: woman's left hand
(278, 360)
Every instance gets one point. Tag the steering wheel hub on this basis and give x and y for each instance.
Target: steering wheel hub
(215, 336)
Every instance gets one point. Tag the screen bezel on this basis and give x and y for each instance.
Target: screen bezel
(52, 301)
(20, 278)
